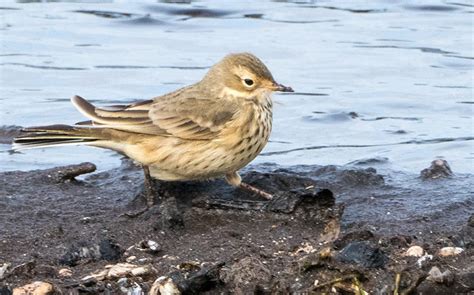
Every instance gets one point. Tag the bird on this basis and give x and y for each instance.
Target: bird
(210, 129)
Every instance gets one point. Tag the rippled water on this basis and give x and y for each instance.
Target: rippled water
(387, 80)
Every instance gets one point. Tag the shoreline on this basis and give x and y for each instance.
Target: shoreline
(206, 228)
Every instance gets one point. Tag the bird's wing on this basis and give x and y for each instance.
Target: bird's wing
(183, 116)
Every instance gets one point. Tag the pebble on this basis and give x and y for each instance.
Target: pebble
(141, 271)
(35, 288)
(144, 260)
(439, 169)
(154, 246)
(363, 254)
(435, 275)
(149, 246)
(415, 251)
(82, 251)
(164, 285)
(131, 258)
(3, 269)
(450, 251)
(422, 259)
(65, 272)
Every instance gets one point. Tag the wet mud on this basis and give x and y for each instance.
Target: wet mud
(326, 230)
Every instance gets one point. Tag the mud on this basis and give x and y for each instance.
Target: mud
(327, 230)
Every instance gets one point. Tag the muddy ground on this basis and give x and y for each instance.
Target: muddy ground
(329, 229)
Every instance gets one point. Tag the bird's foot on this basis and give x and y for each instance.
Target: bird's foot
(160, 206)
(148, 206)
(150, 194)
(169, 214)
(255, 190)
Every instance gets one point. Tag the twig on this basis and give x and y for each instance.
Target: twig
(68, 173)
(397, 283)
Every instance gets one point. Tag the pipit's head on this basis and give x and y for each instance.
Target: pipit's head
(243, 74)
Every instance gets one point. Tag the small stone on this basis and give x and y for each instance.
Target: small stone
(129, 288)
(364, 254)
(422, 259)
(136, 289)
(435, 275)
(141, 270)
(153, 246)
(123, 284)
(149, 246)
(131, 258)
(35, 288)
(86, 219)
(3, 269)
(439, 169)
(65, 272)
(81, 251)
(144, 260)
(164, 285)
(415, 251)
(450, 251)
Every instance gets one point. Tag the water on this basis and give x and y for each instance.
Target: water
(391, 80)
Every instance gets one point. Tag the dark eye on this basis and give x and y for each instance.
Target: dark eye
(248, 82)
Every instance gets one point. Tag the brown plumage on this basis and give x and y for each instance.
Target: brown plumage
(210, 129)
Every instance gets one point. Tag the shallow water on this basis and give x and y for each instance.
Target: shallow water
(384, 80)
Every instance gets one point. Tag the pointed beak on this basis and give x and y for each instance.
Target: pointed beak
(281, 88)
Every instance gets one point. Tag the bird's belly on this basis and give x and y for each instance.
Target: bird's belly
(192, 160)
(180, 159)
(205, 160)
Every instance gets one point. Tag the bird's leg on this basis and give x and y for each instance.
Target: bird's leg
(235, 180)
(150, 189)
(149, 193)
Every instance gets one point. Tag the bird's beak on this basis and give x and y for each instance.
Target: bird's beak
(279, 87)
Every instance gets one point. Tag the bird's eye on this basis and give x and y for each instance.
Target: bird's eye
(248, 82)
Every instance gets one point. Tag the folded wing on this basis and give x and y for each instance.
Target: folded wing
(183, 116)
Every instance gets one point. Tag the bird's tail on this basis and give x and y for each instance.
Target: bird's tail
(56, 135)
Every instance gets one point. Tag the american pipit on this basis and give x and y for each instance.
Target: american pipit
(206, 130)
